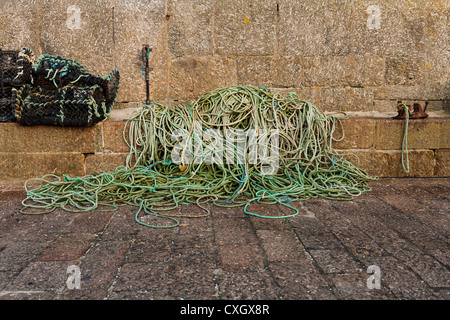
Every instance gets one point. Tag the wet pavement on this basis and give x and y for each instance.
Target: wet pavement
(390, 244)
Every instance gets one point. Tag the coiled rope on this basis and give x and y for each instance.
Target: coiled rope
(152, 182)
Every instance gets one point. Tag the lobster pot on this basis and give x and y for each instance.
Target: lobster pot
(67, 106)
(51, 72)
(15, 71)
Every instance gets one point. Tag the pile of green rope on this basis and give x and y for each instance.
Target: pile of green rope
(308, 167)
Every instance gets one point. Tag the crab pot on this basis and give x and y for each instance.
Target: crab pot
(54, 71)
(66, 106)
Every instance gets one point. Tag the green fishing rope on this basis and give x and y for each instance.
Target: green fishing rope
(308, 167)
(405, 138)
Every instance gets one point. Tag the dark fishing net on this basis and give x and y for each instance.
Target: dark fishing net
(15, 71)
(67, 106)
(64, 93)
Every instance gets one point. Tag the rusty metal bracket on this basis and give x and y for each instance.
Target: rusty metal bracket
(415, 111)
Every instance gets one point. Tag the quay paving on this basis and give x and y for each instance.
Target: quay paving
(327, 252)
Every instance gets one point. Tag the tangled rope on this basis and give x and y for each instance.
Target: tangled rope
(153, 182)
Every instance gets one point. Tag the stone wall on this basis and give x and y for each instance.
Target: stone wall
(344, 56)
(27, 152)
(347, 55)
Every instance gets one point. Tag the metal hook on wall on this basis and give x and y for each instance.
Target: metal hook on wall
(145, 70)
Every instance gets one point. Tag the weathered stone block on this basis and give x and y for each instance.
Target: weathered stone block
(442, 163)
(190, 27)
(257, 71)
(385, 106)
(446, 105)
(245, 27)
(366, 71)
(437, 59)
(404, 71)
(388, 28)
(245, 258)
(276, 244)
(389, 163)
(137, 23)
(346, 99)
(312, 95)
(336, 99)
(104, 162)
(113, 137)
(36, 165)
(329, 71)
(399, 92)
(49, 139)
(314, 28)
(354, 134)
(18, 25)
(422, 134)
(190, 78)
(436, 105)
(291, 72)
(67, 247)
(76, 28)
(440, 89)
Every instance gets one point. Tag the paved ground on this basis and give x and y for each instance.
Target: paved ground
(401, 228)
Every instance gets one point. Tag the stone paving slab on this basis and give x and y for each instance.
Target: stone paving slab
(324, 253)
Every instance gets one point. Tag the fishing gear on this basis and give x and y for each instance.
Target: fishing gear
(15, 72)
(64, 93)
(154, 183)
(414, 112)
(407, 113)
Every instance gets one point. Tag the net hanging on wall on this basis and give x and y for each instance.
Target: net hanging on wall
(65, 94)
(15, 71)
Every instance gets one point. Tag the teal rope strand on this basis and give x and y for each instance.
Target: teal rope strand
(405, 140)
